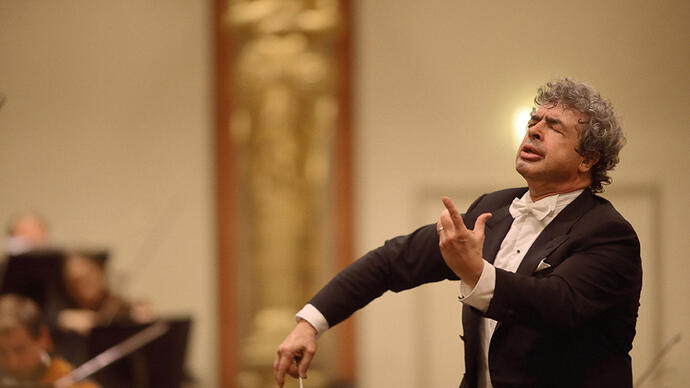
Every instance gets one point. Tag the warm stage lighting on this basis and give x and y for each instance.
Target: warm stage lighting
(520, 120)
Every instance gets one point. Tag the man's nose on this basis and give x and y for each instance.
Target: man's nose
(535, 131)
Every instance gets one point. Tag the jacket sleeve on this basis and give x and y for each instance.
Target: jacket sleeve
(401, 263)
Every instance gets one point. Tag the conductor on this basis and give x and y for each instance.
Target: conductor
(550, 274)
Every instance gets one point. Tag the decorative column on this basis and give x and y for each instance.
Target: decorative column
(283, 113)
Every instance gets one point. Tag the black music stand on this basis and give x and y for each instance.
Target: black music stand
(37, 275)
(159, 364)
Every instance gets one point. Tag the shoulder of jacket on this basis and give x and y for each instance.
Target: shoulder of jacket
(605, 214)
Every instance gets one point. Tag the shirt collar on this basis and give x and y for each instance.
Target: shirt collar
(545, 208)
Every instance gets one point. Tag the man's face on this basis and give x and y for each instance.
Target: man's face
(20, 353)
(547, 157)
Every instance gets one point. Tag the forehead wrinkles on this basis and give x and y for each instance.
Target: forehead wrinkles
(567, 108)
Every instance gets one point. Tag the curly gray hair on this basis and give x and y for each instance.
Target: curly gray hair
(601, 137)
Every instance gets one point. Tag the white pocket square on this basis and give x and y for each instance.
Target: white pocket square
(542, 265)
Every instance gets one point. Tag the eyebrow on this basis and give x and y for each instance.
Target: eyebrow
(535, 117)
(552, 120)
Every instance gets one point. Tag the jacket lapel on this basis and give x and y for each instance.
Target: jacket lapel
(556, 233)
(495, 231)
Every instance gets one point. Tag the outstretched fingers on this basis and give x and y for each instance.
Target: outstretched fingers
(455, 216)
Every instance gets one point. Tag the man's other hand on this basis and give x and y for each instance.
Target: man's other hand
(295, 353)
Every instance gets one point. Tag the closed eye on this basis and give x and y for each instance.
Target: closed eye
(534, 119)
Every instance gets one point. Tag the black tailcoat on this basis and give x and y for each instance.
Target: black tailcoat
(570, 325)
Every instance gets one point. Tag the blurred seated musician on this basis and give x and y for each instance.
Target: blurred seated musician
(26, 232)
(24, 345)
(91, 302)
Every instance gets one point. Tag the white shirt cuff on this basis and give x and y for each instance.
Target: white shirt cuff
(314, 317)
(480, 296)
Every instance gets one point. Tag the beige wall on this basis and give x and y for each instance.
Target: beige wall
(437, 85)
(107, 131)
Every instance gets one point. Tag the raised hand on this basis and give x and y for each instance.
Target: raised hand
(461, 248)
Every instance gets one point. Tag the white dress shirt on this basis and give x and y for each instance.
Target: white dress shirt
(530, 219)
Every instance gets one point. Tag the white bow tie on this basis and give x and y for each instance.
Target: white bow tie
(539, 209)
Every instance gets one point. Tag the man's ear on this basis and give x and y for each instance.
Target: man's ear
(586, 163)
